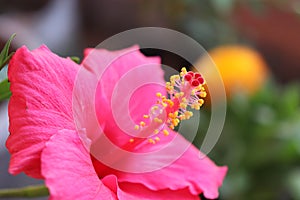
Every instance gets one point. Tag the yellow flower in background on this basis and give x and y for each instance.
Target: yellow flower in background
(242, 68)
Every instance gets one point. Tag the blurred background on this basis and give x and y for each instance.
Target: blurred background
(255, 44)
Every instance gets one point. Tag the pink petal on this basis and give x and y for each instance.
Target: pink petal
(68, 169)
(41, 104)
(84, 113)
(132, 191)
(128, 81)
(188, 171)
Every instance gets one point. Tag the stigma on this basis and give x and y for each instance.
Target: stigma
(185, 91)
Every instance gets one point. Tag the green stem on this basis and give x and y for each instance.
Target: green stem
(29, 192)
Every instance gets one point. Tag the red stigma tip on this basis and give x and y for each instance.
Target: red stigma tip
(197, 75)
(187, 77)
(201, 80)
(195, 83)
(190, 73)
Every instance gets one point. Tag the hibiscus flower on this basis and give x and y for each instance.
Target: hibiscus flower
(91, 132)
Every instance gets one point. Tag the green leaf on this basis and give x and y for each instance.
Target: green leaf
(75, 59)
(290, 100)
(29, 192)
(3, 73)
(4, 56)
(4, 90)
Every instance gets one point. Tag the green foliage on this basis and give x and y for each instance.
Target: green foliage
(4, 56)
(28, 192)
(260, 144)
(75, 59)
(4, 90)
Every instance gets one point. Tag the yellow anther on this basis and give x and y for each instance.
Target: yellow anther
(131, 140)
(182, 117)
(175, 122)
(197, 107)
(183, 71)
(157, 139)
(184, 100)
(158, 94)
(188, 114)
(201, 101)
(173, 115)
(181, 94)
(151, 141)
(164, 104)
(199, 87)
(171, 103)
(156, 119)
(175, 77)
(156, 131)
(183, 105)
(177, 95)
(136, 127)
(166, 132)
(203, 94)
(142, 123)
(169, 88)
(176, 113)
(146, 116)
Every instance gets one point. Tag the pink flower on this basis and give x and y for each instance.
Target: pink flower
(61, 118)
